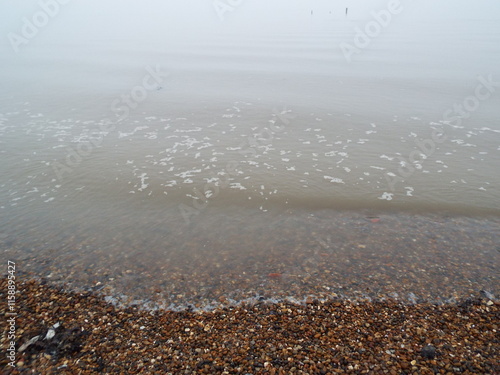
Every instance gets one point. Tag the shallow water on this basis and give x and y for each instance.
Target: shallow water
(237, 135)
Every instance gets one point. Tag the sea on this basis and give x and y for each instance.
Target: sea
(339, 160)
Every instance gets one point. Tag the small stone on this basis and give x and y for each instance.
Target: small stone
(428, 352)
(486, 294)
(345, 333)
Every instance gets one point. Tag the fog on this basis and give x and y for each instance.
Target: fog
(222, 138)
(159, 19)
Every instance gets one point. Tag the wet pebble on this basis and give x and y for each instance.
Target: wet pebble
(428, 352)
(322, 337)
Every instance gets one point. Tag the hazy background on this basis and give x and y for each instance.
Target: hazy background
(151, 19)
(311, 198)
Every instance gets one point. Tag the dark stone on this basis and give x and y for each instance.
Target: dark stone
(487, 295)
(428, 352)
(201, 364)
(65, 342)
(466, 304)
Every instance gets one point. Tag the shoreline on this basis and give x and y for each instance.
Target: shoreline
(331, 337)
(368, 256)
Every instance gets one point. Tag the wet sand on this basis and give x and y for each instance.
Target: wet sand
(334, 337)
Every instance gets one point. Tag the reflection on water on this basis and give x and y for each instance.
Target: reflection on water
(234, 151)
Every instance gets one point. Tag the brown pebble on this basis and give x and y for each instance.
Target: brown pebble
(330, 337)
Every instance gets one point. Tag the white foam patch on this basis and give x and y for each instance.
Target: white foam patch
(237, 185)
(409, 191)
(143, 178)
(334, 179)
(170, 183)
(197, 129)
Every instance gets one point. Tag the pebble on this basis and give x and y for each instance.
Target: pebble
(332, 337)
(486, 294)
(428, 352)
(412, 258)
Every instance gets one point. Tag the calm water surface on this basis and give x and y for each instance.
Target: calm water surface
(232, 135)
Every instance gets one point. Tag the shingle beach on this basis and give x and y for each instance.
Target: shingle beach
(80, 333)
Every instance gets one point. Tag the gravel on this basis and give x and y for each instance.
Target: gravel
(411, 258)
(80, 333)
